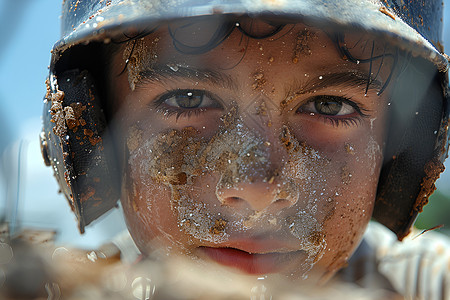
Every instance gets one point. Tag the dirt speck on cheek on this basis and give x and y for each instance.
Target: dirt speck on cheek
(317, 239)
(218, 226)
(349, 149)
(134, 139)
(346, 176)
(330, 208)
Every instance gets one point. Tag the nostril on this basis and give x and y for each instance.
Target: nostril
(257, 196)
(233, 201)
(279, 204)
(237, 203)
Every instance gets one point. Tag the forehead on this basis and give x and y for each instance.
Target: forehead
(226, 44)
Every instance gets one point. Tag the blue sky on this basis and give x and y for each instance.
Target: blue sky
(25, 55)
(28, 34)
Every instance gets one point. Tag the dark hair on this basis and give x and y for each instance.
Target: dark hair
(251, 28)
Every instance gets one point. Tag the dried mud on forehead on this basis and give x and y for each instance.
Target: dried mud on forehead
(138, 57)
(179, 159)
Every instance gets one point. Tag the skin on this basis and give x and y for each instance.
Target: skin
(256, 178)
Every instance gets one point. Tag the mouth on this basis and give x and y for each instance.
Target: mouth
(251, 263)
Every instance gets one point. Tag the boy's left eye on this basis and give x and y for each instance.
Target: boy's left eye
(328, 106)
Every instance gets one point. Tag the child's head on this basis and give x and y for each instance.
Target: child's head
(258, 142)
(272, 146)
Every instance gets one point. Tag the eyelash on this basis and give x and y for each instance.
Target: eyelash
(334, 120)
(170, 110)
(346, 122)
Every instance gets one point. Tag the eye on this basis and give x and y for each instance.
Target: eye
(186, 103)
(329, 106)
(188, 99)
(333, 110)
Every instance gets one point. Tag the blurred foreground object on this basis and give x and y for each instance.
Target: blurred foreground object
(34, 268)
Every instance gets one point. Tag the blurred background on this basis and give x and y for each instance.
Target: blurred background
(29, 195)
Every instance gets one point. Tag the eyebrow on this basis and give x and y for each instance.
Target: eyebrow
(174, 71)
(349, 79)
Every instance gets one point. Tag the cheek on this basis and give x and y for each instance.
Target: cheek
(346, 225)
(147, 206)
(357, 165)
(163, 205)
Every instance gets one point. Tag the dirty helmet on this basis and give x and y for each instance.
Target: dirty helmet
(75, 137)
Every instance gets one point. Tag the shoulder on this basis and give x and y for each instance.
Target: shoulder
(418, 267)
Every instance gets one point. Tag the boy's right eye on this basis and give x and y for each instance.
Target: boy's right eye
(187, 101)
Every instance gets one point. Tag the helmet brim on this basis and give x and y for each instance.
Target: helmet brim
(82, 26)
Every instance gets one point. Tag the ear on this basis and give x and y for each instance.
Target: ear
(76, 143)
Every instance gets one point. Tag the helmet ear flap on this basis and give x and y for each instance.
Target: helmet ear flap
(416, 148)
(77, 145)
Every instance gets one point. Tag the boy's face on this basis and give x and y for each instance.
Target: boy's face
(259, 154)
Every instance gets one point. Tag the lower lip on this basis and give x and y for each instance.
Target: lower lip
(254, 264)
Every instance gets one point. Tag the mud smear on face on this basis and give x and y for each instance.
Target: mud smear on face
(304, 166)
(138, 57)
(373, 151)
(302, 42)
(235, 155)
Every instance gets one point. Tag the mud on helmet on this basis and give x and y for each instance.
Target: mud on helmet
(75, 139)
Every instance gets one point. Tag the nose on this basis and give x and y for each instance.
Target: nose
(267, 196)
